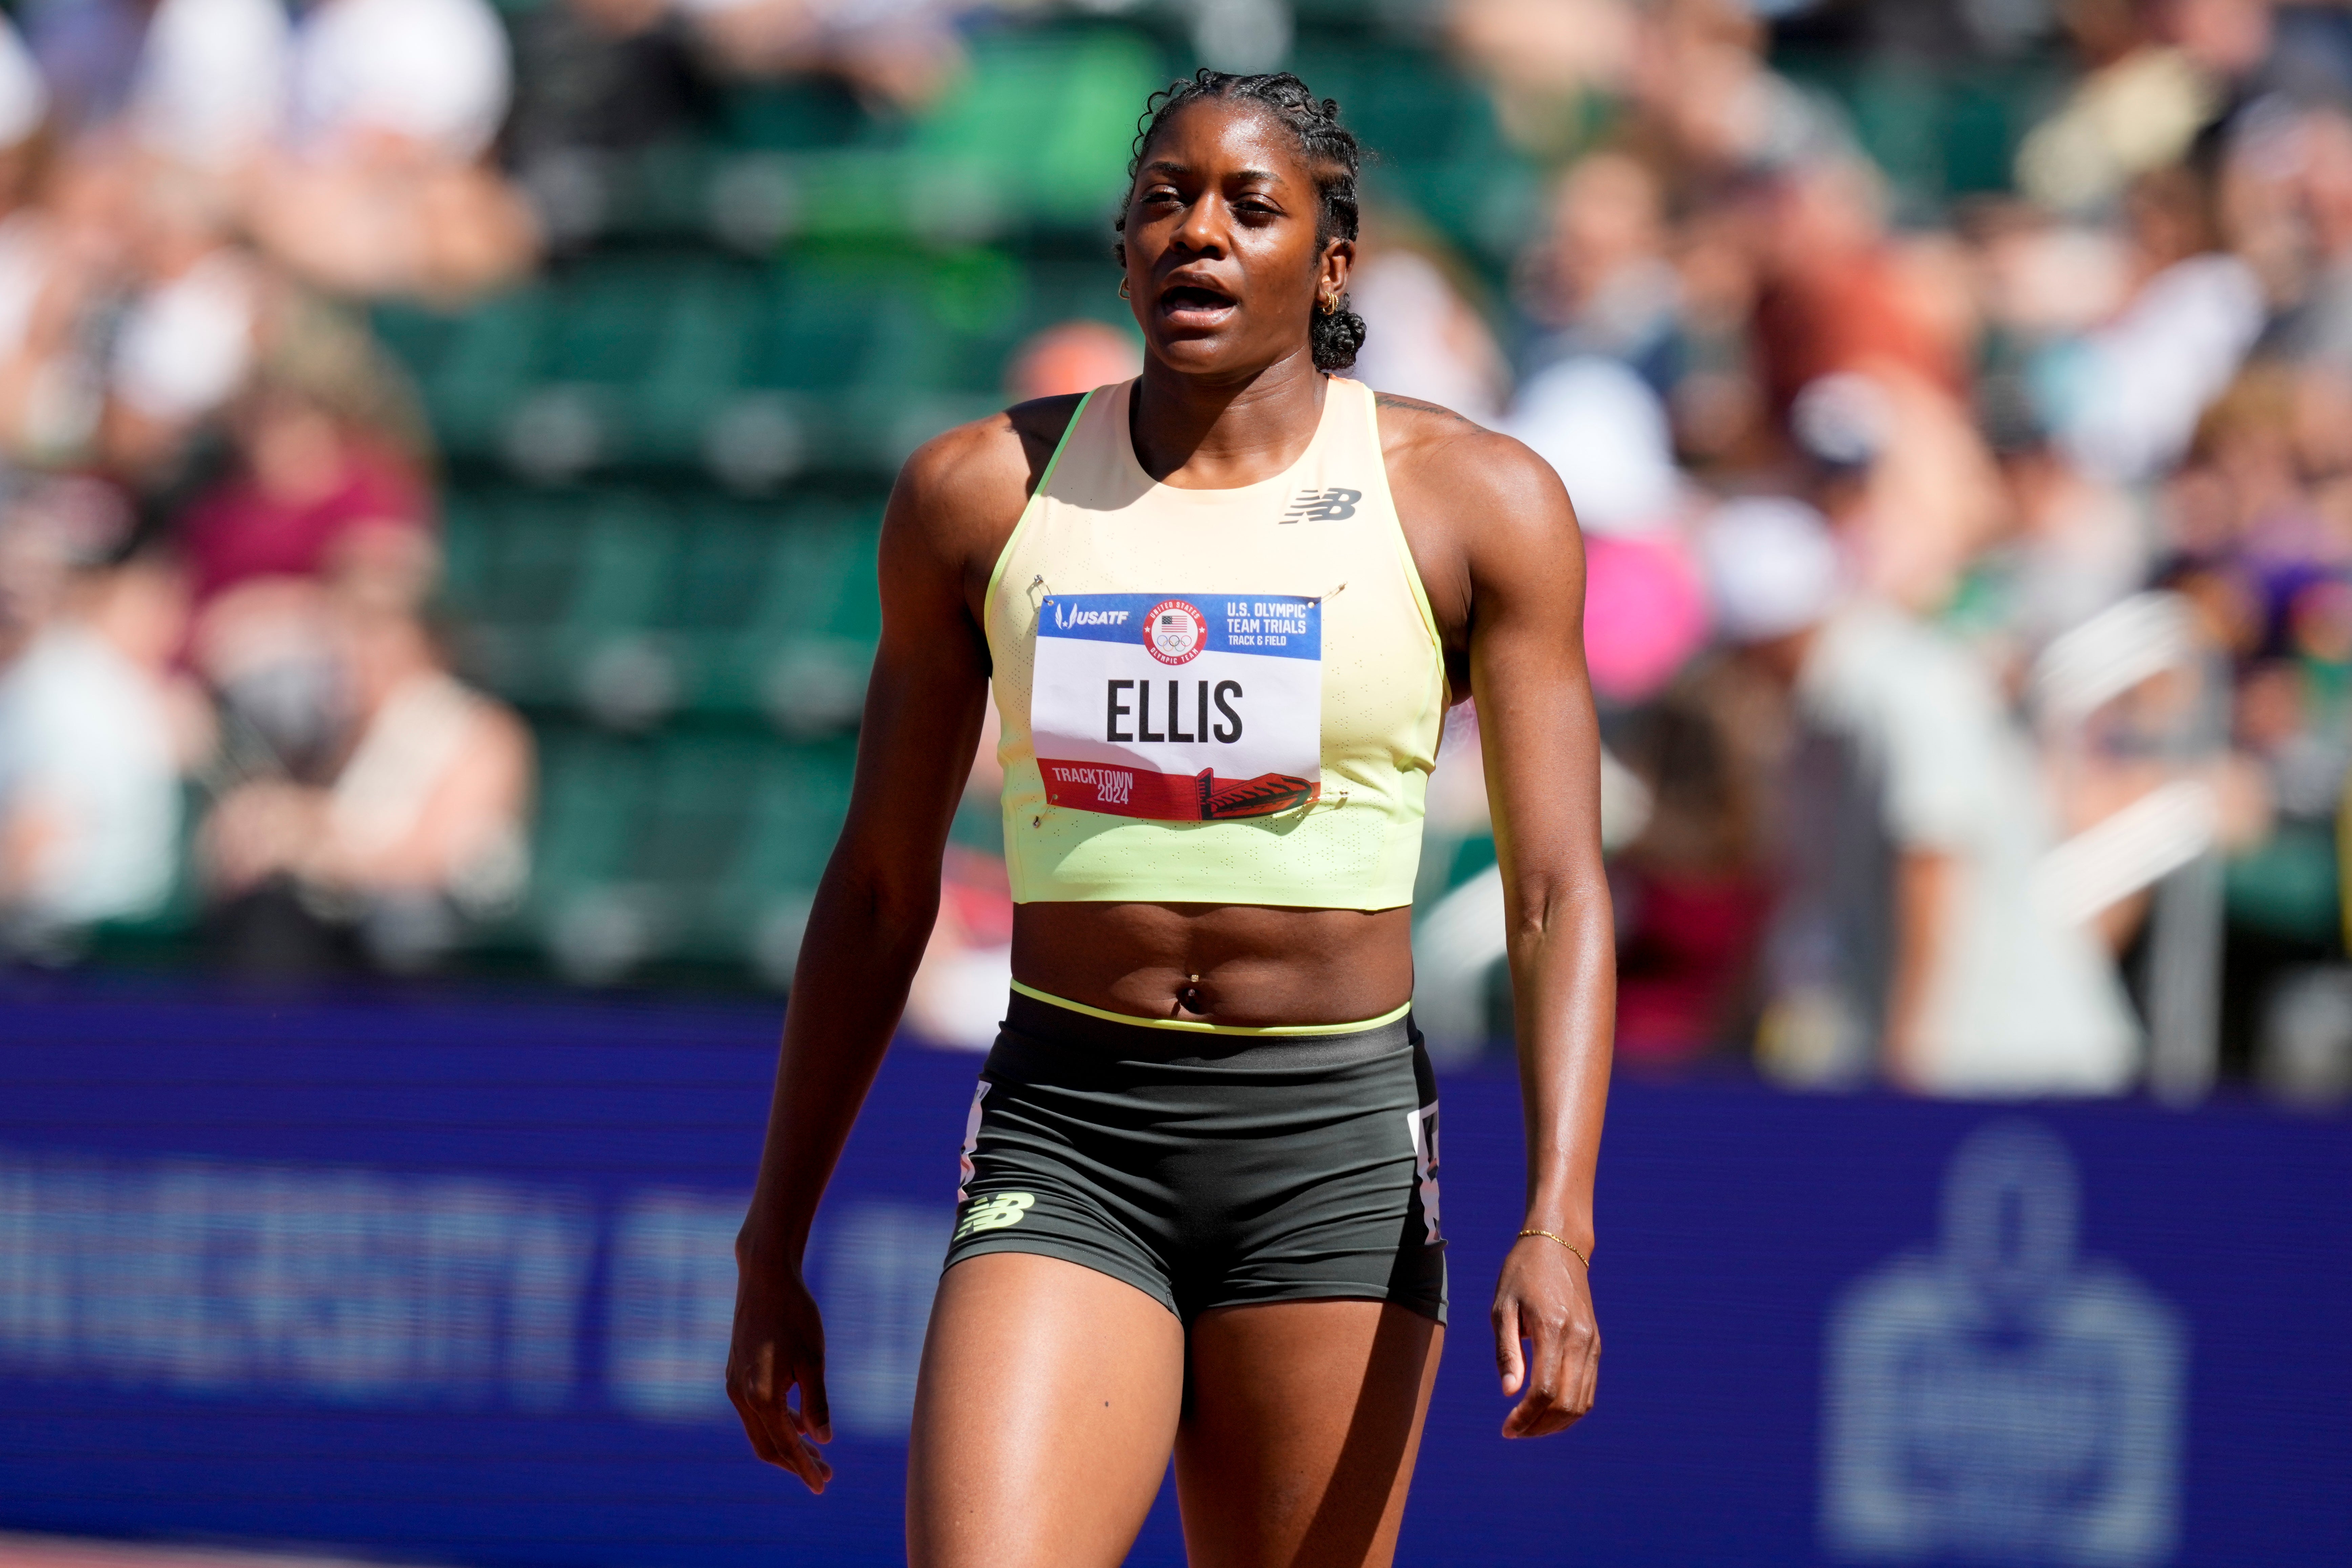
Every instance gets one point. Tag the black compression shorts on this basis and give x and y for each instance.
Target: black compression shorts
(1209, 1170)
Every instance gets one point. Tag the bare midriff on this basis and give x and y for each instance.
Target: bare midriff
(1242, 965)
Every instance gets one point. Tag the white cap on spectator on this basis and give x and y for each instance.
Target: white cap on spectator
(1604, 431)
(212, 79)
(23, 96)
(1844, 419)
(437, 71)
(183, 348)
(1772, 567)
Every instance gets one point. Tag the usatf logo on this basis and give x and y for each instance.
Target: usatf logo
(994, 1213)
(1323, 506)
(1063, 615)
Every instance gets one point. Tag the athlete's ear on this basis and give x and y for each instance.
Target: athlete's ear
(1331, 271)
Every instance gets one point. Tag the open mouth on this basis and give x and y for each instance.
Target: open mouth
(1195, 305)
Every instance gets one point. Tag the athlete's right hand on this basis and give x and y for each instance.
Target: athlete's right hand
(779, 1342)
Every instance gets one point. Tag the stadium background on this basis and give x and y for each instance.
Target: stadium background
(420, 1256)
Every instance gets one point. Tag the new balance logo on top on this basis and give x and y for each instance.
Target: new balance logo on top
(1323, 506)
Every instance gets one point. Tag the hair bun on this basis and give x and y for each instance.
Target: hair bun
(1336, 338)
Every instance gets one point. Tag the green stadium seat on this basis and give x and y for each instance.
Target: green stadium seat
(822, 323)
(794, 116)
(761, 906)
(810, 641)
(2288, 886)
(711, 315)
(1406, 106)
(1044, 119)
(662, 192)
(719, 844)
(553, 596)
(702, 789)
(816, 361)
(718, 594)
(416, 335)
(485, 362)
(514, 569)
(583, 909)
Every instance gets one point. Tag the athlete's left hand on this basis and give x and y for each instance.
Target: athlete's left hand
(1545, 1298)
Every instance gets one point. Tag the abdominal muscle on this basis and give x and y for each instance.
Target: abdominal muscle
(1242, 965)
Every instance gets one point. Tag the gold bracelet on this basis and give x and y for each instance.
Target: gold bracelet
(1571, 1251)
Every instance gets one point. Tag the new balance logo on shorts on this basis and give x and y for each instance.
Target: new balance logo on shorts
(1323, 506)
(994, 1213)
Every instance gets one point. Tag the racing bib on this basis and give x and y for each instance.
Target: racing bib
(1178, 707)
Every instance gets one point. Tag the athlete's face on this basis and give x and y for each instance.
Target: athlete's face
(1222, 261)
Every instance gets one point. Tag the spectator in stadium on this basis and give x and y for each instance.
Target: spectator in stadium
(1841, 292)
(25, 105)
(903, 53)
(418, 824)
(1606, 434)
(2134, 108)
(1702, 97)
(96, 726)
(1425, 338)
(1596, 279)
(2261, 548)
(207, 94)
(329, 468)
(191, 310)
(61, 258)
(1694, 888)
(1545, 63)
(596, 79)
(2300, 174)
(382, 182)
(126, 309)
(87, 53)
(2142, 378)
(1910, 939)
(327, 487)
(1071, 357)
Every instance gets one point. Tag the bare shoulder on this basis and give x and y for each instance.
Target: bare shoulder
(1402, 417)
(1474, 482)
(961, 492)
(998, 458)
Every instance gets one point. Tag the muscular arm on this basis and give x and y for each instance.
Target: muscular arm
(1505, 571)
(950, 513)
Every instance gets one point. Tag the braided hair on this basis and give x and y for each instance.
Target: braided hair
(1332, 153)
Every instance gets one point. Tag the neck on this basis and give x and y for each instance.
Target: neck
(1204, 433)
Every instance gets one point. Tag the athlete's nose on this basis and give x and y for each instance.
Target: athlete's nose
(1202, 232)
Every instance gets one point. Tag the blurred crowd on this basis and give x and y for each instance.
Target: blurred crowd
(218, 514)
(1970, 579)
(220, 685)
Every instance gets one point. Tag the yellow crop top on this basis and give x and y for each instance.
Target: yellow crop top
(1227, 697)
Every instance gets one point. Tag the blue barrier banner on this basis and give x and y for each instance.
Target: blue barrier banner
(451, 1282)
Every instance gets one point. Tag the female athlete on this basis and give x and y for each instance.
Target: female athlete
(1224, 607)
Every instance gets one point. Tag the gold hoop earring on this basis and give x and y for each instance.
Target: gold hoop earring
(1328, 304)
(1122, 289)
